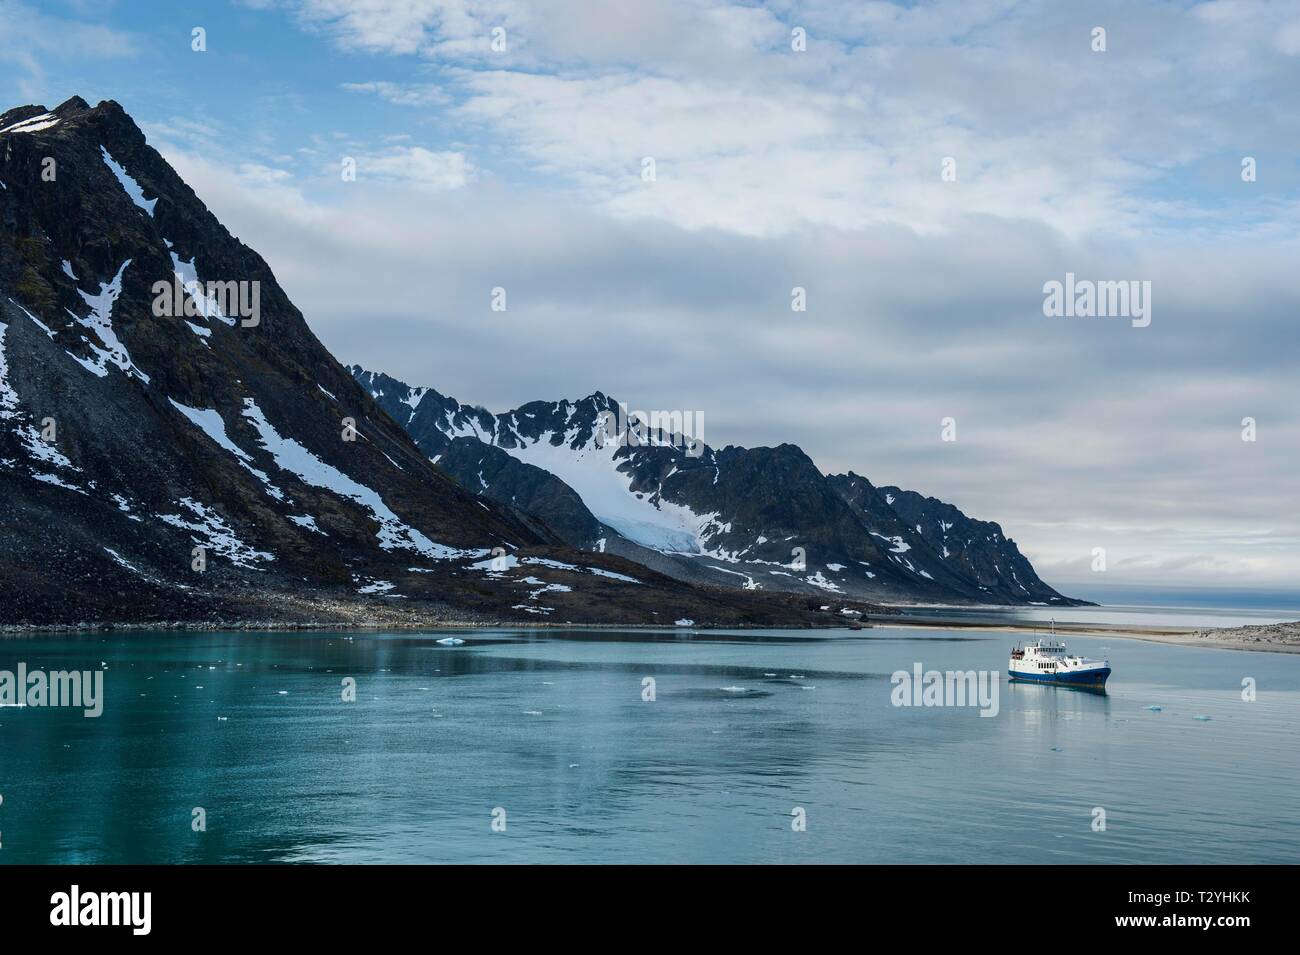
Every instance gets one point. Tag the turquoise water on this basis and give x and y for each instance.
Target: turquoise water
(552, 728)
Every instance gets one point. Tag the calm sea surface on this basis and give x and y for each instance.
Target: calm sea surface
(551, 728)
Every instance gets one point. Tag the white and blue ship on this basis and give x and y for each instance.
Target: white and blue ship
(1047, 661)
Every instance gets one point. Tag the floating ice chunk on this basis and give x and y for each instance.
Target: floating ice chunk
(684, 622)
(1154, 709)
(451, 641)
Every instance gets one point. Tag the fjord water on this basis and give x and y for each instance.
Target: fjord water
(552, 727)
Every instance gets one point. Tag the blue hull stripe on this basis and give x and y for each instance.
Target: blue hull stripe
(1083, 677)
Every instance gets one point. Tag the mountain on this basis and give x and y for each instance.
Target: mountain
(177, 445)
(752, 518)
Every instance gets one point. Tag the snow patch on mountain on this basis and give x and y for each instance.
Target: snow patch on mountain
(100, 321)
(209, 422)
(128, 182)
(209, 530)
(207, 305)
(33, 125)
(291, 456)
(33, 444)
(592, 471)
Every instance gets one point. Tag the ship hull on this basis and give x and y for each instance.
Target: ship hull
(1094, 677)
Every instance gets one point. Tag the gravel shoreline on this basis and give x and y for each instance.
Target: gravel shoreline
(1274, 638)
(1270, 637)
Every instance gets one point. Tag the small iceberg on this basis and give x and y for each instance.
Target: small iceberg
(1203, 719)
(451, 641)
(733, 689)
(1154, 709)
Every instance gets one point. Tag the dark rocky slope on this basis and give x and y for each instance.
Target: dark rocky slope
(753, 518)
(129, 438)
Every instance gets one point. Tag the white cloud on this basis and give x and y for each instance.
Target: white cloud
(750, 136)
(417, 167)
(426, 94)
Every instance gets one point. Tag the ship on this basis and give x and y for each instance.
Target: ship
(1047, 661)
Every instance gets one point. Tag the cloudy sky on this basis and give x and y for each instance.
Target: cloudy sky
(822, 168)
